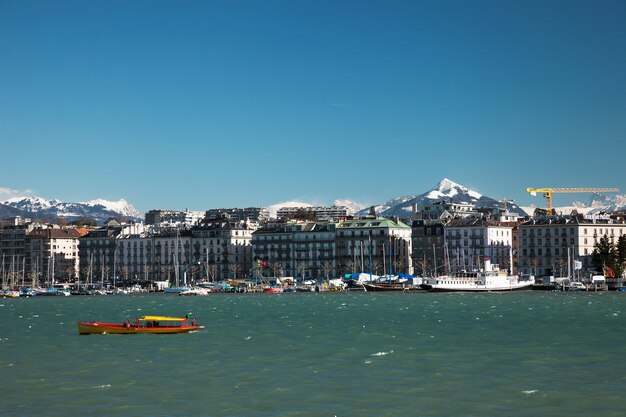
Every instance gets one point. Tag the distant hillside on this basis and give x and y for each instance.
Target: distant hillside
(8, 211)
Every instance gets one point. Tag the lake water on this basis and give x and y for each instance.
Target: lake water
(320, 354)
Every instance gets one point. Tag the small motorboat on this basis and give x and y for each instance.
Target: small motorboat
(145, 324)
(273, 290)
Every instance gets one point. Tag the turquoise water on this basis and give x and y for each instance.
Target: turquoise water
(323, 354)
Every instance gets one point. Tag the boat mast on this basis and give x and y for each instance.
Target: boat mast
(370, 253)
(52, 256)
(384, 260)
(23, 269)
(114, 261)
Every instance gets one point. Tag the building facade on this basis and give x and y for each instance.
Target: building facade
(428, 246)
(470, 240)
(295, 249)
(384, 244)
(549, 245)
(319, 213)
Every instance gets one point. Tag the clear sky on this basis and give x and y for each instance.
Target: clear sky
(201, 104)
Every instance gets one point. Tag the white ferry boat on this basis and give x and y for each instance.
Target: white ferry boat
(488, 279)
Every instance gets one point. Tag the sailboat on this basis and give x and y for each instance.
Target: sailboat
(177, 289)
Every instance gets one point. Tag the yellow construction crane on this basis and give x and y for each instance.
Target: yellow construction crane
(548, 191)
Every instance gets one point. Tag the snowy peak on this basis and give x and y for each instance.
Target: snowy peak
(122, 207)
(448, 189)
(99, 210)
(445, 190)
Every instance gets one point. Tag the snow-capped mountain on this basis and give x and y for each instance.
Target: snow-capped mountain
(122, 207)
(445, 190)
(605, 203)
(99, 210)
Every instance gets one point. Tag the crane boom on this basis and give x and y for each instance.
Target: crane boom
(548, 191)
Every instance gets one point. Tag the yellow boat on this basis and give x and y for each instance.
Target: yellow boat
(145, 324)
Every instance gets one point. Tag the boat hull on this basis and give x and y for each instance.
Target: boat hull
(94, 327)
(476, 288)
(387, 287)
(273, 290)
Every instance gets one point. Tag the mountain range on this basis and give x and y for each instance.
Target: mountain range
(445, 190)
(41, 208)
(101, 210)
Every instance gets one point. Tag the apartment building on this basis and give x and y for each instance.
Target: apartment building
(549, 245)
(296, 249)
(470, 240)
(318, 213)
(385, 242)
(428, 245)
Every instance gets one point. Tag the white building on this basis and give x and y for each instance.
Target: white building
(549, 245)
(318, 213)
(53, 253)
(385, 241)
(470, 240)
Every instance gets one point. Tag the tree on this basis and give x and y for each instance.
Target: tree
(168, 270)
(351, 266)
(372, 211)
(70, 270)
(275, 267)
(147, 269)
(193, 270)
(211, 271)
(423, 266)
(33, 278)
(125, 272)
(398, 265)
(84, 221)
(302, 267)
(533, 265)
(85, 272)
(106, 271)
(605, 255)
(233, 269)
(326, 267)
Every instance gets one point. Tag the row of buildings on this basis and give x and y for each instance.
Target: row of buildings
(246, 243)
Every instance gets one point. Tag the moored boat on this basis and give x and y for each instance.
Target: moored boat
(488, 279)
(273, 290)
(145, 324)
(384, 286)
(194, 291)
(9, 293)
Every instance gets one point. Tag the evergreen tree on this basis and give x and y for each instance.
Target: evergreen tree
(605, 254)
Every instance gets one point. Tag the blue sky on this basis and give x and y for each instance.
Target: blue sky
(202, 104)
